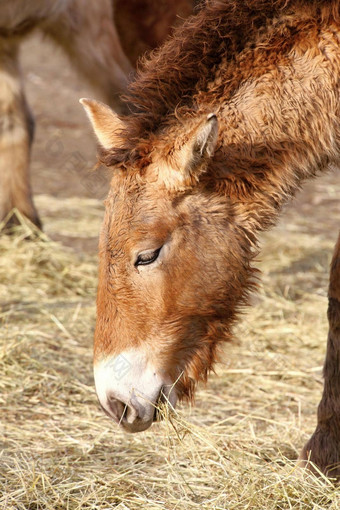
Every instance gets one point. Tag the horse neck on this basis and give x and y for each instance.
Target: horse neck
(280, 128)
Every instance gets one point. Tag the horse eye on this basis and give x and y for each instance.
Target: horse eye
(148, 257)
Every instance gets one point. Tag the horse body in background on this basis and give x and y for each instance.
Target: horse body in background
(232, 114)
(87, 31)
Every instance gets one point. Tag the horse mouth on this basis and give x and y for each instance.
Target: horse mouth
(137, 415)
(162, 407)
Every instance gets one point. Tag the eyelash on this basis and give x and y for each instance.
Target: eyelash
(145, 259)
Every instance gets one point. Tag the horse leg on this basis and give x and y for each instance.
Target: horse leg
(16, 135)
(323, 448)
(87, 33)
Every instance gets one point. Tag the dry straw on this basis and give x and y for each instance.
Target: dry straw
(236, 449)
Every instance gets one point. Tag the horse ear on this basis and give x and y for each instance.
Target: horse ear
(190, 159)
(105, 122)
(203, 142)
(200, 144)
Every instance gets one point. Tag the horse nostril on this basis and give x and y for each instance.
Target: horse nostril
(118, 409)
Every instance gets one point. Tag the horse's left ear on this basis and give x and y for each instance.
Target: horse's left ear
(204, 140)
(200, 144)
(105, 122)
(186, 162)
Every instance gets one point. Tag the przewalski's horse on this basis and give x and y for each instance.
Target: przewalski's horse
(87, 31)
(230, 117)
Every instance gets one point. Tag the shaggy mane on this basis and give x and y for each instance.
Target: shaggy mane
(169, 80)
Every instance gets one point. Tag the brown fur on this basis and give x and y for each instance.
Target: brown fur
(269, 70)
(87, 32)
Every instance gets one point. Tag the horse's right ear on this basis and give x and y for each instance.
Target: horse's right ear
(105, 122)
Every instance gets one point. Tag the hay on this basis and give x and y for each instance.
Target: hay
(236, 449)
